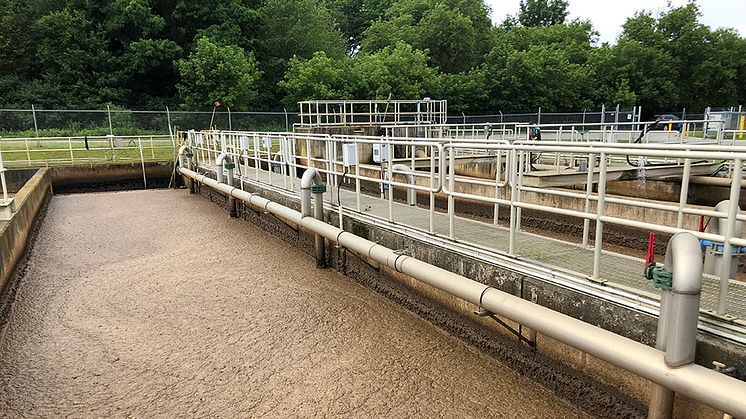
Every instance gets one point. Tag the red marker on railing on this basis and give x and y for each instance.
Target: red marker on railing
(651, 249)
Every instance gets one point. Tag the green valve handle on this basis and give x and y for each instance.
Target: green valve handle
(318, 188)
(662, 278)
(229, 165)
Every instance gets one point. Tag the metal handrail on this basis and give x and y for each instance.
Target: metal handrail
(512, 163)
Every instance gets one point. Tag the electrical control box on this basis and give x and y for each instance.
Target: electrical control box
(267, 142)
(349, 155)
(244, 142)
(380, 153)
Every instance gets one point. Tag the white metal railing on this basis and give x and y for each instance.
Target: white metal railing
(50, 151)
(2, 178)
(669, 132)
(260, 153)
(372, 112)
(459, 132)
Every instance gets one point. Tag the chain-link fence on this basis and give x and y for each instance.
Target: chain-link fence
(587, 119)
(75, 122)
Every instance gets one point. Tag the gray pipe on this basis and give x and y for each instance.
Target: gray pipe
(186, 160)
(408, 173)
(224, 162)
(311, 182)
(714, 257)
(679, 314)
(696, 382)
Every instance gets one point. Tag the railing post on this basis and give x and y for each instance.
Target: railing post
(36, 126)
(515, 165)
(684, 194)
(600, 210)
(588, 193)
(451, 187)
(728, 234)
(142, 162)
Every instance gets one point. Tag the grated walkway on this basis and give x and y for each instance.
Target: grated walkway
(618, 270)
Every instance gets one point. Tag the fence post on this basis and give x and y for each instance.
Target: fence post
(616, 114)
(142, 161)
(538, 121)
(287, 122)
(230, 122)
(168, 119)
(108, 112)
(36, 126)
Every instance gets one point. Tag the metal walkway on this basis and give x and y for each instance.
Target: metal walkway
(619, 273)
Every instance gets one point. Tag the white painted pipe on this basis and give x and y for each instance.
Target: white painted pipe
(185, 156)
(677, 324)
(696, 382)
(311, 177)
(222, 160)
(408, 173)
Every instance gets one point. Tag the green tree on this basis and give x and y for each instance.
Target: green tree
(399, 70)
(320, 77)
(354, 17)
(294, 28)
(457, 33)
(542, 12)
(218, 73)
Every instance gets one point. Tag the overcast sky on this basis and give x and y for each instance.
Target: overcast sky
(608, 16)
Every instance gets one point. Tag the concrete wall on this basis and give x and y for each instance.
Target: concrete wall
(600, 388)
(14, 234)
(110, 176)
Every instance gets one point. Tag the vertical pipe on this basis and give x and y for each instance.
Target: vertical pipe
(498, 170)
(525, 165)
(588, 193)
(432, 187)
(684, 192)
(358, 197)
(229, 178)
(679, 313)
(389, 171)
(514, 164)
(451, 186)
(599, 213)
(318, 213)
(735, 190)
(257, 163)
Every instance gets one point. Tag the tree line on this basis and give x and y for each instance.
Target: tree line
(269, 54)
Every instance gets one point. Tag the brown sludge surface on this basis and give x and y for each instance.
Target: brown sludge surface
(154, 303)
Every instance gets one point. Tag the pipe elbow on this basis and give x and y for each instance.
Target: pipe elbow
(310, 177)
(223, 158)
(684, 259)
(185, 150)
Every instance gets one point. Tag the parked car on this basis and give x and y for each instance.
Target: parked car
(663, 122)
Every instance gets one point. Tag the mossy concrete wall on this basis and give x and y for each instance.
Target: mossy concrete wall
(14, 233)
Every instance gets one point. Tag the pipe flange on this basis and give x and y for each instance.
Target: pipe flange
(318, 188)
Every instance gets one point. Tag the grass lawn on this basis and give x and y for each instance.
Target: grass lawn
(30, 152)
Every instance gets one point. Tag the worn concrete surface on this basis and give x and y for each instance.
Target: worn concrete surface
(150, 303)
